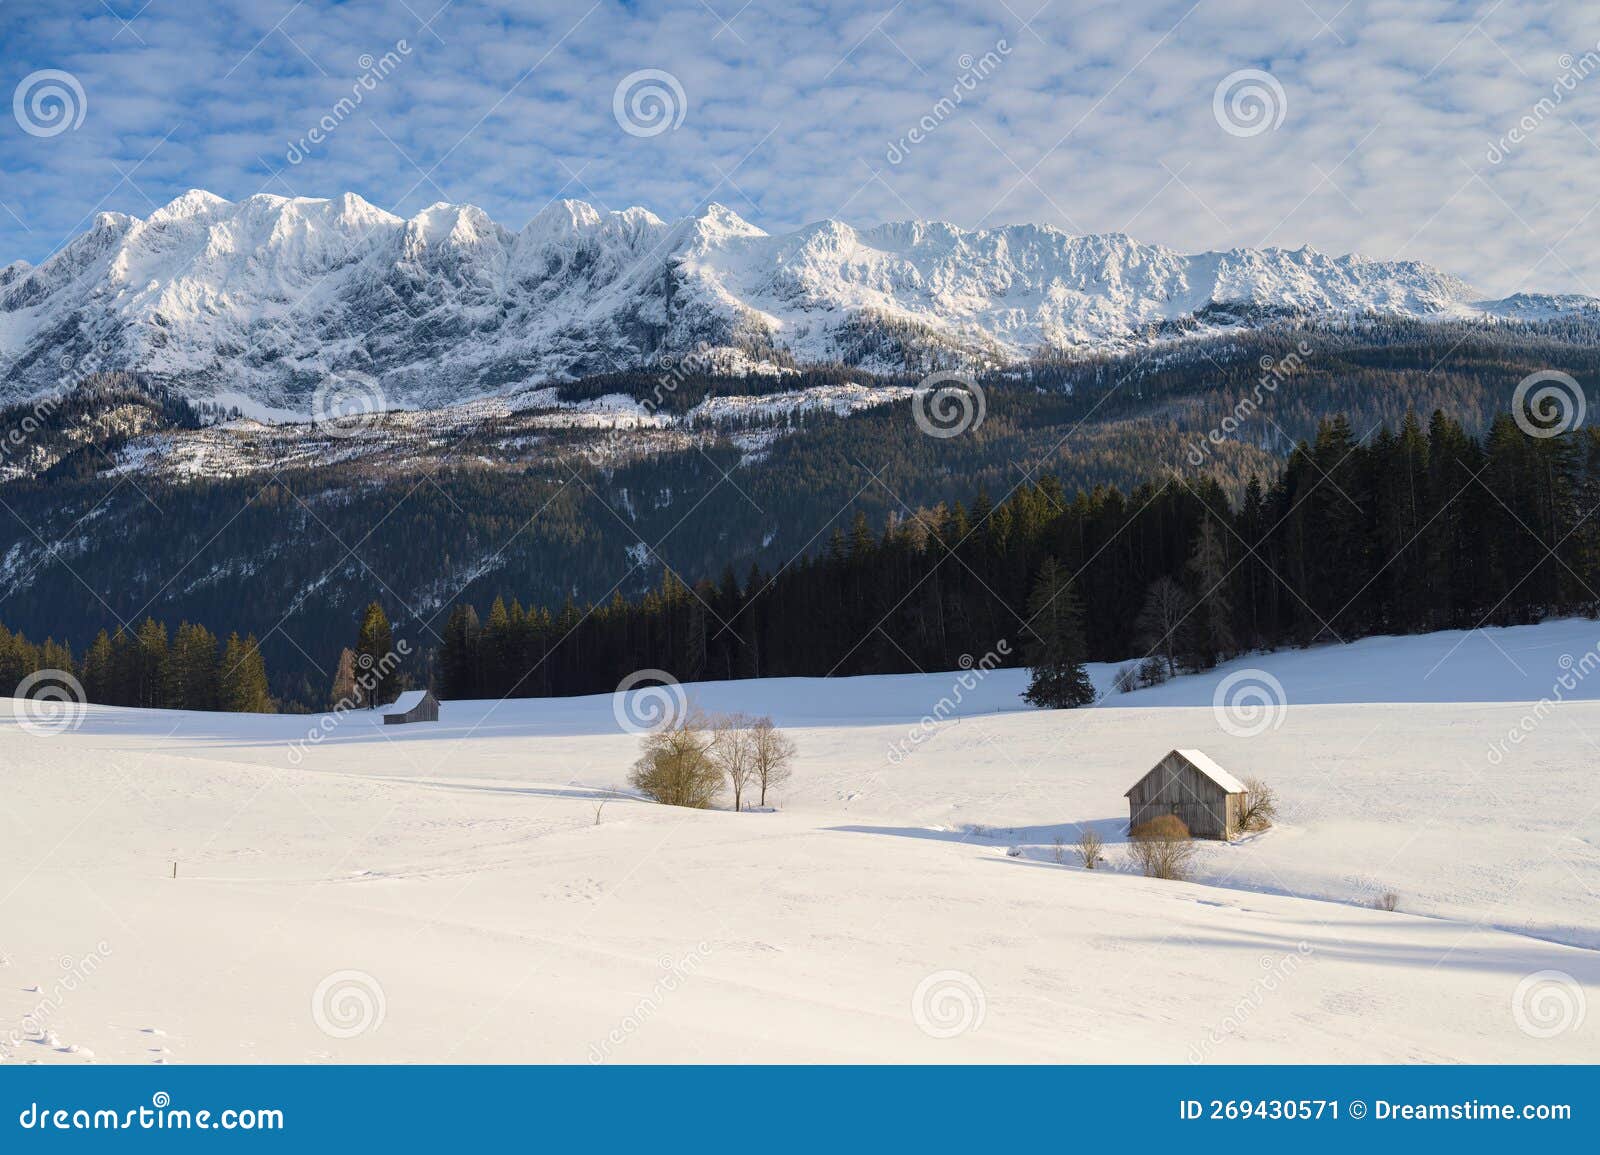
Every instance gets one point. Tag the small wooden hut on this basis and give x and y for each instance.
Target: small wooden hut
(1189, 784)
(412, 706)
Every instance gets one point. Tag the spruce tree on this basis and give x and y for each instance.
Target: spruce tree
(152, 664)
(1056, 649)
(243, 684)
(1210, 636)
(99, 669)
(194, 668)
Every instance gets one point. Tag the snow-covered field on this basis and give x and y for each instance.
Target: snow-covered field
(458, 892)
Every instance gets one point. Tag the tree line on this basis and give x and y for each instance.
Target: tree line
(1423, 527)
(147, 667)
(190, 670)
(1415, 528)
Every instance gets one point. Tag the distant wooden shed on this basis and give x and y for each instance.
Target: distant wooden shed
(412, 706)
(1189, 784)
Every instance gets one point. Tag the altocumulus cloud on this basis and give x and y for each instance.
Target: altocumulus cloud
(1389, 138)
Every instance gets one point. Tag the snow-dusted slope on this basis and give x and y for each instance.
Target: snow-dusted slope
(265, 298)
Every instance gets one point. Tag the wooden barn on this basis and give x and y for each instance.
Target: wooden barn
(1189, 784)
(412, 706)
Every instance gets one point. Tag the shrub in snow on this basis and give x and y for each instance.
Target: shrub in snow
(1126, 680)
(1388, 900)
(1260, 806)
(1014, 852)
(1091, 848)
(676, 766)
(1152, 671)
(1161, 847)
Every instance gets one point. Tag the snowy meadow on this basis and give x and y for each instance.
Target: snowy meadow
(184, 887)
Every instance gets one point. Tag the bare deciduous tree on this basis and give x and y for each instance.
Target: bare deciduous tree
(676, 766)
(774, 756)
(1161, 847)
(734, 751)
(1166, 607)
(1260, 806)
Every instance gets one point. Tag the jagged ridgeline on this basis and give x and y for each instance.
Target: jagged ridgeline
(264, 298)
(126, 501)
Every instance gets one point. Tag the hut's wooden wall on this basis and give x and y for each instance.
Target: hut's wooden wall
(1175, 787)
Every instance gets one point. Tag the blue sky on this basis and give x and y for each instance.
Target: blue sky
(1384, 127)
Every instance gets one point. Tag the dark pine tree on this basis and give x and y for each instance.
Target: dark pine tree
(1056, 650)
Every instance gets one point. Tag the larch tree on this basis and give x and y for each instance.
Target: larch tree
(344, 689)
(1166, 608)
(1211, 637)
(773, 756)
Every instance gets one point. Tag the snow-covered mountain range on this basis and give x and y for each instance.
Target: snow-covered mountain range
(258, 302)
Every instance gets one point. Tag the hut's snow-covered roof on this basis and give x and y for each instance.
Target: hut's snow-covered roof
(1202, 762)
(406, 702)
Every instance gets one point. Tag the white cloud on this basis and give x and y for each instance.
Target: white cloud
(1098, 118)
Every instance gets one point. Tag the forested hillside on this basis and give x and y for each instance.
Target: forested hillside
(292, 554)
(1419, 529)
